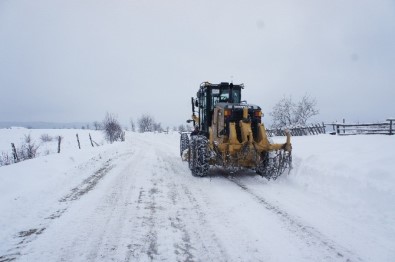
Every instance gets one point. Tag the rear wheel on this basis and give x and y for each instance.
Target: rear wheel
(184, 143)
(262, 168)
(200, 156)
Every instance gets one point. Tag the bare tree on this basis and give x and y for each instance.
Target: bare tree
(46, 138)
(282, 113)
(112, 129)
(132, 125)
(5, 159)
(157, 127)
(97, 125)
(28, 150)
(305, 109)
(146, 123)
(286, 113)
(182, 128)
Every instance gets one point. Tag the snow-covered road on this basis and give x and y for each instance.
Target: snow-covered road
(140, 203)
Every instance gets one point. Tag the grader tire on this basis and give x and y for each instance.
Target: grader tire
(191, 155)
(184, 143)
(274, 164)
(200, 156)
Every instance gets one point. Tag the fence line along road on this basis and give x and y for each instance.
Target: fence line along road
(313, 129)
(384, 128)
(364, 129)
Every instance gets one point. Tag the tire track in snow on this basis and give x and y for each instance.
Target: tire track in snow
(104, 240)
(97, 234)
(151, 221)
(24, 237)
(143, 245)
(150, 240)
(171, 224)
(88, 184)
(196, 244)
(308, 234)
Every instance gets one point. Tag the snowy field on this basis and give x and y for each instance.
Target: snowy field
(17, 135)
(137, 201)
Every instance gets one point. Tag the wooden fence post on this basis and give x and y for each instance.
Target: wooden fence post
(16, 159)
(59, 141)
(300, 131)
(90, 138)
(318, 129)
(313, 130)
(391, 130)
(78, 140)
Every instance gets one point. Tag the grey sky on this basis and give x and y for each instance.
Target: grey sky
(74, 60)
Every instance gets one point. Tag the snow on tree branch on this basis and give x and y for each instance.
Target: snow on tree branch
(286, 113)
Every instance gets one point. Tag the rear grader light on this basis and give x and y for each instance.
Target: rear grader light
(227, 112)
(258, 113)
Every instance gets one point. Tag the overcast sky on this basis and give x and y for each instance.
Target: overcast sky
(74, 60)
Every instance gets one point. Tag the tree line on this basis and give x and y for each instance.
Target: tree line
(113, 130)
(285, 114)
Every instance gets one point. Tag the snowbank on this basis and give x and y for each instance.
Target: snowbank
(344, 185)
(30, 190)
(341, 187)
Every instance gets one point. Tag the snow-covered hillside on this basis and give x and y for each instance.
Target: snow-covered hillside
(137, 201)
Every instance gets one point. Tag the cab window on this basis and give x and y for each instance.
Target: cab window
(236, 96)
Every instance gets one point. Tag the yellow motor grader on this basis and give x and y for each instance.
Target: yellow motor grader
(229, 133)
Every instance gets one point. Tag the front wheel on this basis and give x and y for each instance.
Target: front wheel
(191, 155)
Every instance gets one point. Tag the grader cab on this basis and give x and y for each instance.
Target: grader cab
(229, 133)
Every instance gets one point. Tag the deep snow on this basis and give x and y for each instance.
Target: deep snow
(137, 201)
